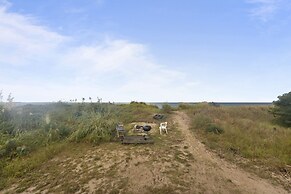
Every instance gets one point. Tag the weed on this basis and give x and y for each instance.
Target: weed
(166, 108)
(214, 129)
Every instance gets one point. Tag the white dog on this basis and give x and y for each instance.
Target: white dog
(163, 127)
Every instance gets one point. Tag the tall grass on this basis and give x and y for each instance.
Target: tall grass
(94, 129)
(247, 131)
(36, 133)
(135, 112)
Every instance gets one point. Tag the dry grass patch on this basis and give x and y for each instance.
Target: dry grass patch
(248, 133)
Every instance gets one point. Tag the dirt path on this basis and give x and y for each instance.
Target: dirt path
(220, 176)
(175, 163)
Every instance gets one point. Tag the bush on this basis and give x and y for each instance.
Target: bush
(166, 108)
(282, 109)
(184, 106)
(64, 132)
(33, 140)
(214, 129)
(22, 151)
(134, 102)
(9, 148)
(6, 128)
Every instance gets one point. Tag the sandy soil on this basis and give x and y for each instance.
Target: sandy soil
(175, 163)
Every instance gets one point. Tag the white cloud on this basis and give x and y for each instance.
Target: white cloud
(265, 9)
(4, 4)
(49, 66)
(22, 40)
(108, 56)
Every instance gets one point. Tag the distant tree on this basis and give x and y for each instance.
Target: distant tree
(90, 99)
(83, 99)
(282, 109)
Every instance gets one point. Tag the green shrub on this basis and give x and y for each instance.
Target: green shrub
(184, 106)
(282, 109)
(64, 132)
(10, 146)
(22, 151)
(33, 139)
(212, 128)
(166, 108)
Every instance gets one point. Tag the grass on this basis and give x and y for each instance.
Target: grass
(19, 167)
(69, 124)
(136, 112)
(59, 174)
(247, 132)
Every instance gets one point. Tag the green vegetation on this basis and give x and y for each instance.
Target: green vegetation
(167, 109)
(248, 132)
(136, 112)
(282, 109)
(33, 134)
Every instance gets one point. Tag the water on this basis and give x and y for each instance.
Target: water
(176, 104)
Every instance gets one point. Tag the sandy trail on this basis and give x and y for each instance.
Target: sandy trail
(220, 176)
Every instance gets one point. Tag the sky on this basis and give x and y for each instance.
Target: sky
(145, 50)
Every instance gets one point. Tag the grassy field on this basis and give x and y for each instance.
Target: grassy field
(247, 135)
(33, 134)
(74, 149)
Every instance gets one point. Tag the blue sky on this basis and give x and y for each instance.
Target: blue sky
(146, 50)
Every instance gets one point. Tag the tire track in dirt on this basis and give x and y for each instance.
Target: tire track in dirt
(215, 174)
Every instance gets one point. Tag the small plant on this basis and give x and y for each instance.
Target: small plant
(166, 108)
(214, 129)
(184, 106)
(64, 132)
